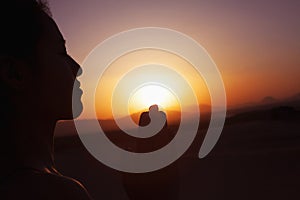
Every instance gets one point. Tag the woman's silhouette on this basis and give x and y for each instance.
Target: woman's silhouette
(36, 82)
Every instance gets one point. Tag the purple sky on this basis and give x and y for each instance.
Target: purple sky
(256, 44)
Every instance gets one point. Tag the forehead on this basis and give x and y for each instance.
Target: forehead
(50, 34)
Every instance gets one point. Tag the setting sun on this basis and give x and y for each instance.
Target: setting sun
(139, 79)
(150, 94)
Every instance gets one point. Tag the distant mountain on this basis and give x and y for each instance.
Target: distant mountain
(295, 97)
(268, 99)
(267, 102)
(286, 113)
(203, 108)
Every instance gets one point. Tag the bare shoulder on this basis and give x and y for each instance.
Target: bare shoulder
(50, 186)
(65, 188)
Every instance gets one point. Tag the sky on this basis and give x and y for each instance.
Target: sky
(163, 82)
(255, 44)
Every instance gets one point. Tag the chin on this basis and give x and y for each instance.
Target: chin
(77, 106)
(77, 110)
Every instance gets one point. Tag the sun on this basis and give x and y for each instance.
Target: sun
(150, 94)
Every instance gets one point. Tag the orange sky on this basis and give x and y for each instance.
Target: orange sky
(168, 66)
(255, 44)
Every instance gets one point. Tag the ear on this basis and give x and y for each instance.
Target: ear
(14, 73)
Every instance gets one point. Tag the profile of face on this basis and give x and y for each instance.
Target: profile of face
(38, 87)
(55, 79)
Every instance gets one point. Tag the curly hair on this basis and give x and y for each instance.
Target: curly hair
(20, 26)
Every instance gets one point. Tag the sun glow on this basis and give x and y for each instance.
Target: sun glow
(139, 79)
(147, 95)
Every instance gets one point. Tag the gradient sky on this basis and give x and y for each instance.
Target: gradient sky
(255, 44)
(166, 71)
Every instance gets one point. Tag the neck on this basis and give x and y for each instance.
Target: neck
(31, 141)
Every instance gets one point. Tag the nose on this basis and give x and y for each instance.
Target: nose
(77, 70)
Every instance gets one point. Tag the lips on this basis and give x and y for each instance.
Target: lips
(76, 83)
(76, 88)
(80, 91)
